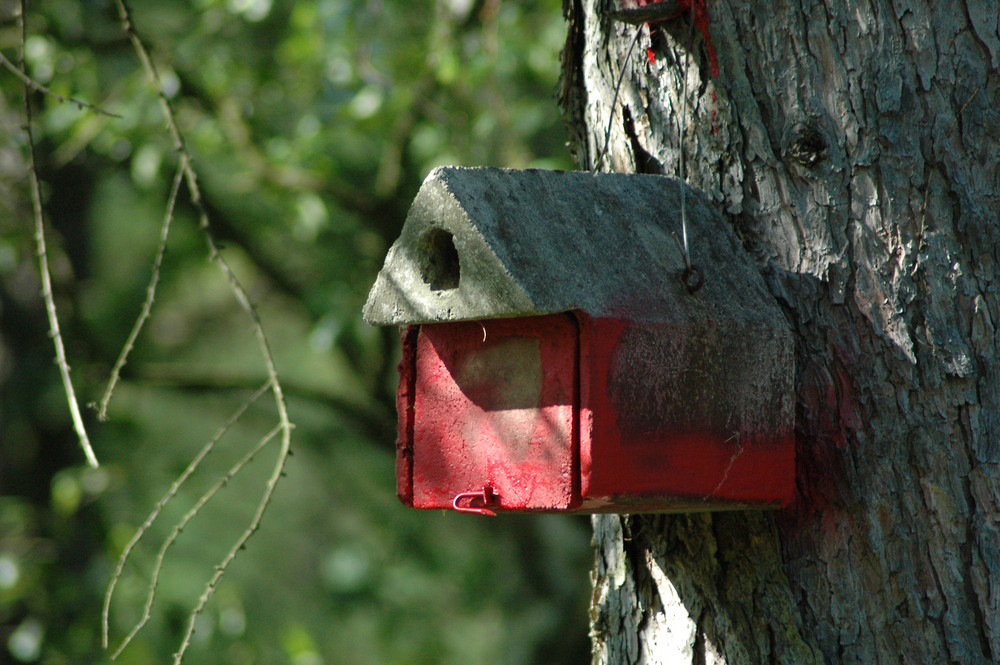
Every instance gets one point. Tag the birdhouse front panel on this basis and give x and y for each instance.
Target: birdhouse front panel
(494, 422)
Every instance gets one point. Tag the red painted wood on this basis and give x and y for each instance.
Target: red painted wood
(565, 412)
(495, 410)
(690, 457)
(404, 407)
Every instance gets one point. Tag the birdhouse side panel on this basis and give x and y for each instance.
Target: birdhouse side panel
(404, 409)
(681, 415)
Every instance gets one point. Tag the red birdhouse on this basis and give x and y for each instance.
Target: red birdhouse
(557, 357)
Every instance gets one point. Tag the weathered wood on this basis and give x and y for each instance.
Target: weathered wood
(482, 243)
(854, 147)
(579, 278)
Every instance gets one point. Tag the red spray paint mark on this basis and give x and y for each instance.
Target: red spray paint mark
(699, 12)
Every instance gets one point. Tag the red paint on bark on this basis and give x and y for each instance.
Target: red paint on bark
(698, 12)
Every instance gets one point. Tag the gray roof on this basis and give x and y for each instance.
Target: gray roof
(487, 243)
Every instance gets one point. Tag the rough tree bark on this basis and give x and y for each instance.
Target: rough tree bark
(855, 146)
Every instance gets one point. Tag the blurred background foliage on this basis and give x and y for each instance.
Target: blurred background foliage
(312, 124)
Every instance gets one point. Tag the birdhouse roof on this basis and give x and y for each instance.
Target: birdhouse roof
(484, 243)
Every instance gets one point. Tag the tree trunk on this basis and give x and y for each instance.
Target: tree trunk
(855, 147)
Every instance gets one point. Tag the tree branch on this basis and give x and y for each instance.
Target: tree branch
(43, 265)
(284, 426)
(31, 83)
(141, 531)
(147, 306)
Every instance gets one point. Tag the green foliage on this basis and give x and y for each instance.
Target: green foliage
(311, 124)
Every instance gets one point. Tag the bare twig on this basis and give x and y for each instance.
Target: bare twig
(240, 543)
(141, 531)
(147, 306)
(284, 426)
(29, 82)
(178, 528)
(43, 267)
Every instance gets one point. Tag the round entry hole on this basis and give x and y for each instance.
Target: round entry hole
(439, 260)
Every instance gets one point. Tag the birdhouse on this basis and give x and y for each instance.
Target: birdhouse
(559, 353)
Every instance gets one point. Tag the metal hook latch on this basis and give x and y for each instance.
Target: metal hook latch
(693, 278)
(477, 501)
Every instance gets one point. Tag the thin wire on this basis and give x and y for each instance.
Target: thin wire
(683, 243)
(614, 99)
(683, 130)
